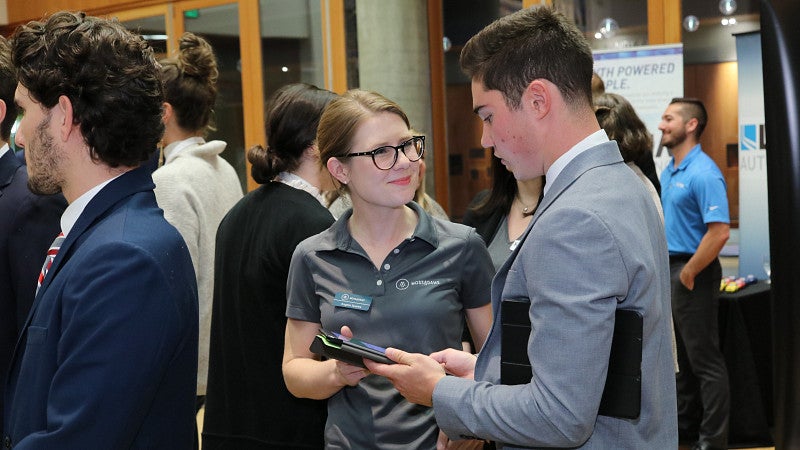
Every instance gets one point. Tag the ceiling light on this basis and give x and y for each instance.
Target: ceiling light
(691, 23)
(727, 7)
(608, 27)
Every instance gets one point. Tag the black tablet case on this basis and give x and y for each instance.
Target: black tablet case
(345, 351)
(622, 395)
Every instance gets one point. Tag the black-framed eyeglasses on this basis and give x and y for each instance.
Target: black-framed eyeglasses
(384, 158)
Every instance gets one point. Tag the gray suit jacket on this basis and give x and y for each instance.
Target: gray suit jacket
(595, 244)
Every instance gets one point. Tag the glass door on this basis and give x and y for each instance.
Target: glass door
(219, 25)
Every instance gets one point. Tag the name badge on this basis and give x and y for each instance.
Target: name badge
(352, 301)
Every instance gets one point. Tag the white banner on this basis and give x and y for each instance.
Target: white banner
(648, 77)
(753, 211)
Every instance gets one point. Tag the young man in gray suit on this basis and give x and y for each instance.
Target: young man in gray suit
(595, 245)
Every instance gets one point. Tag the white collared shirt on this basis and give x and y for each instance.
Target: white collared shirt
(297, 182)
(75, 209)
(594, 139)
(4, 149)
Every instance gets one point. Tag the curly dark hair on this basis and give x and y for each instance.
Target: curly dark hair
(108, 73)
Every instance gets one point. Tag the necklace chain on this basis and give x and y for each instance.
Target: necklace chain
(527, 210)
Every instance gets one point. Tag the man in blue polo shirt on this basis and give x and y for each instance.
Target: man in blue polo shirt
(697, 225)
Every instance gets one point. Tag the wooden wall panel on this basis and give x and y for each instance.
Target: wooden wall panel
(469, 163)
(663, 22)
(717, 86)
(21, 11)
(438, 114)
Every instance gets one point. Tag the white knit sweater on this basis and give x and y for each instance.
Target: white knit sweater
(196, 189)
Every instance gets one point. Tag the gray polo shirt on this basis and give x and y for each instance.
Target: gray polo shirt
(414, 301)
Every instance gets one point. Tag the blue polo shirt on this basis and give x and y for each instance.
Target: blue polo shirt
(692, 195)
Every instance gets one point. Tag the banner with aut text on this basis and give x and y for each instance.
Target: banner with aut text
(648, 77)
(753, 204)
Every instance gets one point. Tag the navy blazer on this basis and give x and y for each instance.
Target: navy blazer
(28, 224)
(108, 356)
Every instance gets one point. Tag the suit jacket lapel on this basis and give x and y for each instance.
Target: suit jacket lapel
(600, 155)
(127, 184)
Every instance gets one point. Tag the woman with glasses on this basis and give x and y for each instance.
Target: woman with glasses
(339, 201)
(386, 272)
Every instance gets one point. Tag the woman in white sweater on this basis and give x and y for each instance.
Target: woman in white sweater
(195, 187)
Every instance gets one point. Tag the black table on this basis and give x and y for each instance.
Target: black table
(745, 326)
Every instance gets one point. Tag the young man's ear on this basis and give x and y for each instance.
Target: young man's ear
(538, 97)
(64, 117)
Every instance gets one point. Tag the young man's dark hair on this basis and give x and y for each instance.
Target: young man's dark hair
(527, 44)
(108, 73)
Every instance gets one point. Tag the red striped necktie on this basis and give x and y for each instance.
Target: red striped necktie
(48, 261)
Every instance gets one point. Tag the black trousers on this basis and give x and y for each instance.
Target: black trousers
(702, 383)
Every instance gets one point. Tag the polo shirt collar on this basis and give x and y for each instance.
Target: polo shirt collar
(425, 229)
(686, 161)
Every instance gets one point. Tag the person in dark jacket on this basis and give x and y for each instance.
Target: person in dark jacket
(247, 403)
(29, 224)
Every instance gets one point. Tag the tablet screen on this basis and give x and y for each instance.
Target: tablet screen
(358, 342)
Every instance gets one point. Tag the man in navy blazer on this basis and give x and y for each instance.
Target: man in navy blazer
(596, 244)
(107, 358)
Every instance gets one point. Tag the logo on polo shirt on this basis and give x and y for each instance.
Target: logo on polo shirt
(403, 284)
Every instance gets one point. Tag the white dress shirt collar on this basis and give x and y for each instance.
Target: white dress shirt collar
(75, 209)
(594, 139)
